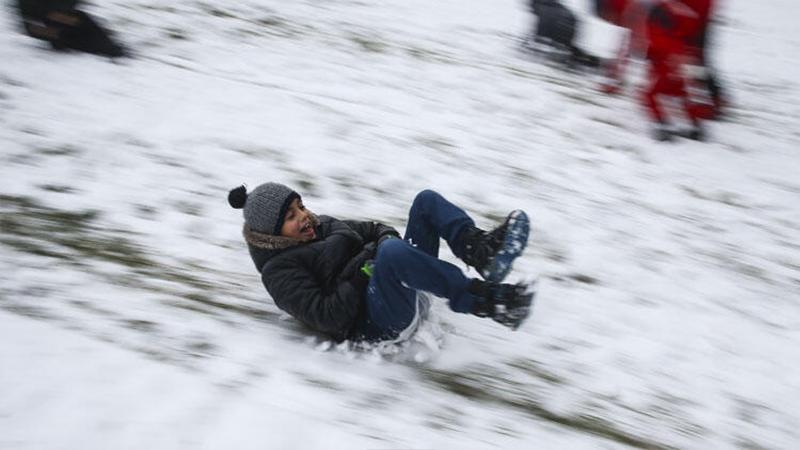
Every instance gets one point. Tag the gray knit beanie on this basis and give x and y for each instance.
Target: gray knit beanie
(264, 207)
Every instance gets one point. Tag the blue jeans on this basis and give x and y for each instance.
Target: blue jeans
(403, 267)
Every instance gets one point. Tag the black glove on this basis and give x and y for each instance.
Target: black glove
(356, 262)
(361, 277)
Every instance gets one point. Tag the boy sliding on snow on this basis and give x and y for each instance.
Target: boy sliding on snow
(358, 280)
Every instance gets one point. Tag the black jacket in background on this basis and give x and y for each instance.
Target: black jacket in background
(555, 22)
(307, 280)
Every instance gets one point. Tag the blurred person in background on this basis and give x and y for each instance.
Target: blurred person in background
(554, 34)
(64, 26)
(358, 280)
(667, 33)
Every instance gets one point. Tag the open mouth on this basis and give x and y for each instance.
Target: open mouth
(306, 229)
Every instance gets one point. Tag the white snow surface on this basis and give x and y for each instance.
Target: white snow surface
(668, 312)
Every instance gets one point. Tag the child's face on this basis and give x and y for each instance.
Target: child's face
(297, 223)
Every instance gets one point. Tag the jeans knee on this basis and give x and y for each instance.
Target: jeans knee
(391, 249)
(393, 255)
(424, 198)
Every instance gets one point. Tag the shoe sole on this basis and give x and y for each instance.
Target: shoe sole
(514, 317)
(514, 243)
(521, 314)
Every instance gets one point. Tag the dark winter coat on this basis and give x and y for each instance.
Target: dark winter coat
(318, 282)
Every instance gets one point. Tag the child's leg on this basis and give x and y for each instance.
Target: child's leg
(432, 217)
(400, 271)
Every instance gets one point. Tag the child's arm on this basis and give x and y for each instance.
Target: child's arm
(372, 231)
(295, 290)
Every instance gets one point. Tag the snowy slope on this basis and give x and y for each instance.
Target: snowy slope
(130, 314)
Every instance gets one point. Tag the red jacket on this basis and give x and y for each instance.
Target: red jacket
(701, 7)
(658, 29)
(668, 27)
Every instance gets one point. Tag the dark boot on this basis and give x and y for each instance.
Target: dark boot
(507, 304)
(492, 253)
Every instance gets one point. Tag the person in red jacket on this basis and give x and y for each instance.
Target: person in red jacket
(660, 31)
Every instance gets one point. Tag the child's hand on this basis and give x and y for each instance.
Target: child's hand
(368, 268)
(360, 278)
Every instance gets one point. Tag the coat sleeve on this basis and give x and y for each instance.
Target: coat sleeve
(372, 231)
(296, 291)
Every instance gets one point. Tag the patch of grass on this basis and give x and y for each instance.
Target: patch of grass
(32, 131)
(485, 388)
(65, 150)
(583, 278)
(156, 7)
(73, 236)
(216, 12)
(146, 211)
(271, 21)
(747, 444)
(57, 188)
(436, 143)
(255, 313)
(306, 185)
(369, 44)
(145, 326)
(581, 98)
(278, 26)
(188, 208)
(30, 247)
(177, 34)
(33, 312)
(200, 348)
(428, 55)
(187, 306)
(345, 181)
(322, 383)
(535, 369)
(726, 198)
(522, 73)
(5, 79)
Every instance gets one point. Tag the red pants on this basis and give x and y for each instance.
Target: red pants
(665, 81)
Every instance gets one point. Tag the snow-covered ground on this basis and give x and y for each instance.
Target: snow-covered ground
(668, 313)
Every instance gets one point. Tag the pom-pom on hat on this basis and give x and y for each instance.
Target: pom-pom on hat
(264, 207)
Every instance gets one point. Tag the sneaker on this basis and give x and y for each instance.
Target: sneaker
(663, 133)
(507, 304)
(492, 253)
